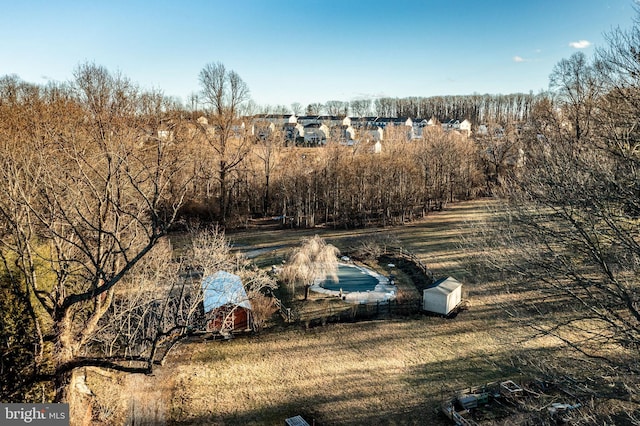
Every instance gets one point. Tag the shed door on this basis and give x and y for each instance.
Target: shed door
(453, 299)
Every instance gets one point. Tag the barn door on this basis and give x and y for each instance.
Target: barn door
(222, 320)
(229, 320)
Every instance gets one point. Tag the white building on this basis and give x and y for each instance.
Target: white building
(443, 296)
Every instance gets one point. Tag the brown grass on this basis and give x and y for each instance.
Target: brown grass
(376, 372)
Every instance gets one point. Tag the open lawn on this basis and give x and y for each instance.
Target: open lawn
(374, 372)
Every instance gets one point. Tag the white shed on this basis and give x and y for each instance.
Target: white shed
(443, 296)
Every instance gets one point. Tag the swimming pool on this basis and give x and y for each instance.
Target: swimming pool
(351, 278)
(357, 284)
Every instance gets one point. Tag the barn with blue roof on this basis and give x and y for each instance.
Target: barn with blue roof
(226, 304)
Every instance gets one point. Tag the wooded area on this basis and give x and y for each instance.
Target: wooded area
(95, 173)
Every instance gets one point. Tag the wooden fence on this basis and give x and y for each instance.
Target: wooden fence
(285, 312)
(361, 312)
(420, 274)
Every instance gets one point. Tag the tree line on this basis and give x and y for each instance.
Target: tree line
(239, 175)
(478, 108)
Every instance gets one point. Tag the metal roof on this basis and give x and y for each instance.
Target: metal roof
(444, 285)
(223, 288)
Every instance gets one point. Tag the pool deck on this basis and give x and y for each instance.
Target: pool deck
(383, 291)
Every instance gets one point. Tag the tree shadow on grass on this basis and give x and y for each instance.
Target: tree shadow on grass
(363, 397)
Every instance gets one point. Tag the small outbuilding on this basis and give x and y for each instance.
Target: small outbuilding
(226, 304)
(443, 296)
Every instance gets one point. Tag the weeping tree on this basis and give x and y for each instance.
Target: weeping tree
(313, 260)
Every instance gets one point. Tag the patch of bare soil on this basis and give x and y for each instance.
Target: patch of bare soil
(131, 399)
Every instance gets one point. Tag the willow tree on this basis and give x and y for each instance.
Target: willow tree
(313, 260)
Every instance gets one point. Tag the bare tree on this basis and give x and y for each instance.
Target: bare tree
(500, 152)
(314, 109)
(577, 86)
(161, 300)
(572, 224)
(385, 107)
(193, 102)
(360, 107)
(280, 109)
(337, 108)
(151, 310)
(225, 93)
(448, 169)
(267, 150)
(296, 108)
(101, 203)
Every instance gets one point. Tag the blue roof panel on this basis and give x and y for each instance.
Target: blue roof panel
(223, 288)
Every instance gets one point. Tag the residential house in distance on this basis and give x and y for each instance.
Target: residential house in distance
(463, 126)
(433, 122)
(307, 119)
(417, 127)
(343, 134)
(399, 124)
(293, 131)
(318, 129)
(315, 134)
(262, 129)
(367, 128)
(331, 120)
(393, 121)
(277, 119)
(165, 130)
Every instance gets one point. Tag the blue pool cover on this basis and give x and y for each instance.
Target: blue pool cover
(351, 278)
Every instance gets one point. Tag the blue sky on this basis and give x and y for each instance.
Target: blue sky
(309, 51)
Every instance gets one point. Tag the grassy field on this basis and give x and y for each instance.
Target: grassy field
(375, 372)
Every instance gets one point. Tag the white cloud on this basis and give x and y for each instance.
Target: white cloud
(580, 44)
(518, 59)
